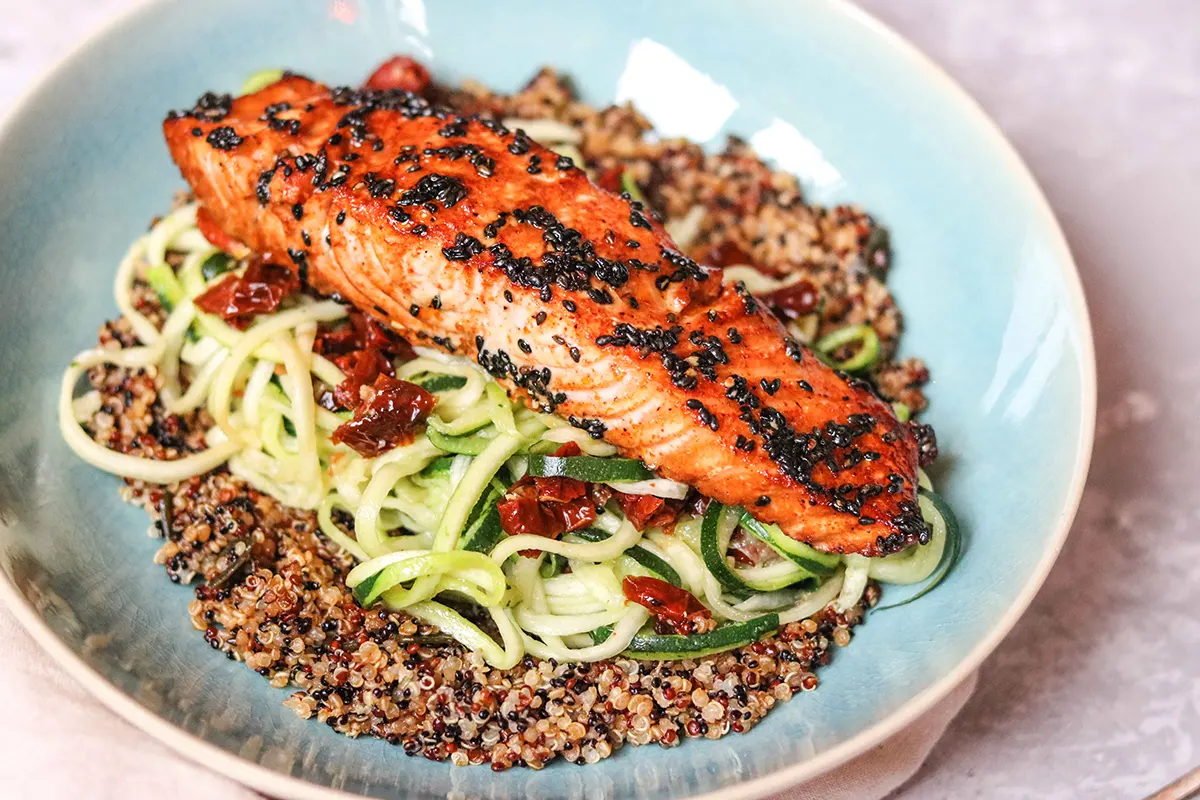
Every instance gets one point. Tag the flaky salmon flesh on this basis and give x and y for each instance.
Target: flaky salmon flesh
(466, 236)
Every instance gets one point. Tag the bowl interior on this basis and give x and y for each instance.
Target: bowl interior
(981, 272)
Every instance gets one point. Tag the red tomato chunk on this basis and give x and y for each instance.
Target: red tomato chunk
(610, 179)
(794, 301)
(259, 290)
(400, 72)
(546, 507)
(363, 349)
(726, 254)
(647, 511)
(360, 332)
(676, 608)
(388, 417)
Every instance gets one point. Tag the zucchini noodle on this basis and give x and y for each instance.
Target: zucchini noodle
(625, 537)
(528, 585)
(367, 531)
(469, 634)
(916, 563)
(127, 466)
(422, 519)
(330, 529)
(173, 334)
(477, 576)
(857, 573)
(659, 487)
(623, 633)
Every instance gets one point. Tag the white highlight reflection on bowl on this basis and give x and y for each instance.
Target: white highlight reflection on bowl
(677, 98)
(793, 152)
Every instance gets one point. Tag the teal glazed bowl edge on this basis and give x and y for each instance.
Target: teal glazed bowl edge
(981, 270)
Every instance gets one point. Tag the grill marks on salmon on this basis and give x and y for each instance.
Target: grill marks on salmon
(463, 235)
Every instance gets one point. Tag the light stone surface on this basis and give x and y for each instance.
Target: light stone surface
(1097, 692)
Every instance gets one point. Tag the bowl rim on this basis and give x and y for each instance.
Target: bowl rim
(251, 774)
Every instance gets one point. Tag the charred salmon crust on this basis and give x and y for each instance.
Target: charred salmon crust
(475, 239)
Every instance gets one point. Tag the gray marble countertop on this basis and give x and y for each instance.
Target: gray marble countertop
(1097, 691)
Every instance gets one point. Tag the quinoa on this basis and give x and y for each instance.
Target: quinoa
(270, 588)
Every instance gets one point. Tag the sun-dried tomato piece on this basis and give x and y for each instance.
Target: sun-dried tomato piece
(388, 418)
(520, 511)
(725, 254)
(610, 179)
(600, 493)
(360, 332)
(648, 511)
(792, 302)
(337, 339)
(559, 490)
(546, 506)
(363, 349)
(362, 368)
(259, 290)
(574, 515)
(677, 607)
(218, 298)
(696, 504)
(400, 72)
(385, 340)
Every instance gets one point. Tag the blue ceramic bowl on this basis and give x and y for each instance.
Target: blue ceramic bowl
(982, 272)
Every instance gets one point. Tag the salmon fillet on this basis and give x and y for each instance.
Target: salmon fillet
(463, 235)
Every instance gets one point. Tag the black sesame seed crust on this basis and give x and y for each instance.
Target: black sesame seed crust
(211, 107)
(223, 138)
(648, 315)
